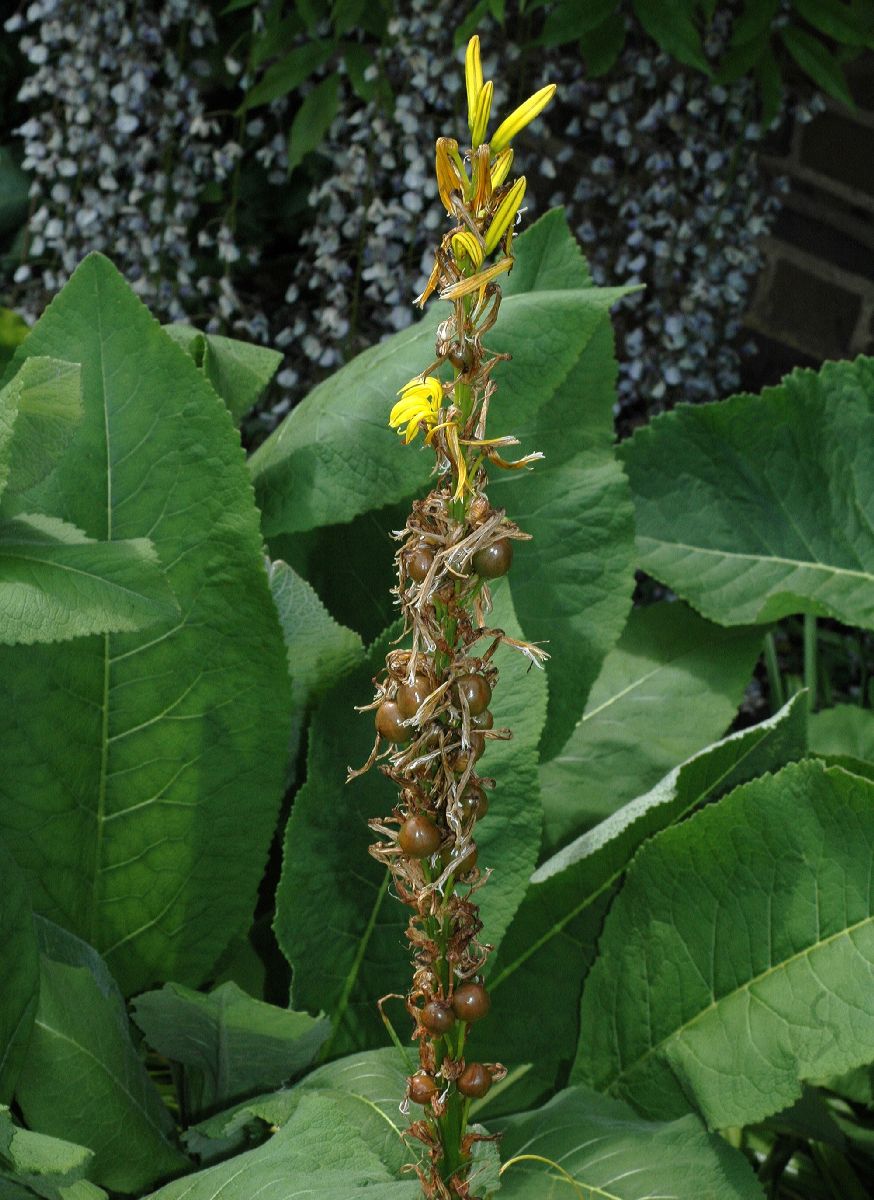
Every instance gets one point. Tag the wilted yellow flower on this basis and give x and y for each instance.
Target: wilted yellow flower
(419, 403)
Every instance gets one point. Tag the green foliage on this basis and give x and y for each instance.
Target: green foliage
(238, 371)
(782, 487)
(20, 957)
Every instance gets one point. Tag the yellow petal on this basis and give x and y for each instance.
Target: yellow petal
(473, 77)
(505, 215)
(501, 167)
(430, 386)
(466, 243)
(482, 114)
(520, 117)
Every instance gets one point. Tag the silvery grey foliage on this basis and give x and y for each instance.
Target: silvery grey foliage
(658, 169)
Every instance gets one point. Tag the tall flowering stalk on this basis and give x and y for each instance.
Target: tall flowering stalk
(432, 700)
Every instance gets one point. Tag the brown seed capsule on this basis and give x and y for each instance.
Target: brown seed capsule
(494, 561)
(483, 720)
(419, 563)
(460, 866)
(437, 1017)
(476, 690)
(411, 695)
(474, 1081)
(471, 1002)
(388, 723)
(477, 746)
(423, 1087)
(474, 803)
(419, 837)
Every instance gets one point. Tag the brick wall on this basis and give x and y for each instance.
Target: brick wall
(815, 297)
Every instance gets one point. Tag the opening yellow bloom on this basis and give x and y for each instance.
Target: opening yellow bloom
(419, 404)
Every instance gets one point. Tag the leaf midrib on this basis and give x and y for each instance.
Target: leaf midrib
(645, 541)
(783, 965)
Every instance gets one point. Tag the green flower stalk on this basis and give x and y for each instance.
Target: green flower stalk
(432, 700)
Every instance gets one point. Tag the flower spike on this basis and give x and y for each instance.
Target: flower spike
(520, 117)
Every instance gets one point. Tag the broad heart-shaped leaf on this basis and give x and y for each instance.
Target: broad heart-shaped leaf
(669, 687)
(611, 1154)
(554, 934)
(56, 584)
(49, 412)
(762, 506)
(42, 1164)
(334, 458)
(845, 730)
(317, 1153)
(82, 1079)
(145, 825)
(337, 925)
(229, 1044)
(366, 1090)
(19, 955)
(239, 371)
(738, 959)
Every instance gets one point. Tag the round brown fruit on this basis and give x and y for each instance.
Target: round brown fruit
(389, 723)
(419, 837)
(474, 1081)
(483, 720)
(419, 564)
(476, 690)
(474, 803)
(437, 1017)
(461, 865)
(477, 746)
(411, 695)
(422, 1087)
(471, 1002)
(494, 561)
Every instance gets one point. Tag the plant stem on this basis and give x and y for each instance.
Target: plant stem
(775, 679)
(810, 654)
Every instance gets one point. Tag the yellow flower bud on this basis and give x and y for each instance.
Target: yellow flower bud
(473, 78)
(520, 117)
(501, 164)
(482, 114)
(506, 214)
(466, 243)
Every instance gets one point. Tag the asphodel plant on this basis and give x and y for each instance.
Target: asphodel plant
(432, 702)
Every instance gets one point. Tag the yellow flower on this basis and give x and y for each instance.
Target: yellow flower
(505, 215)
(467, 243)
(419, 403)
(520, 117)
(473, 78)
(501, 164)
(481, 114)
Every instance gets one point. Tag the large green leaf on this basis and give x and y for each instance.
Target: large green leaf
(340, 930)
(668, 688)
(612, 1154)
(554, 934)
(845, 730)
(738, 959)
(20, 958)
(758, 507)
(40, 409)
(55, 583)
(82, 1079)
(44, 1165)
(239, 371)
(230, 1045)
(173, 742)
(334, 458)
(318, 1152)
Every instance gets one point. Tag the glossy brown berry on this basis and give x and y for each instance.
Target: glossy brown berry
(474, 1081)
(422, 1088)
(495, 560)
(419, 837)
(474, 803)
(437, 1017)
(389, 723)
(419, 564)
(483, 720)
(411, 695)
(476, 690)
(477, 746)
(471, 1002)
(460, 866)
